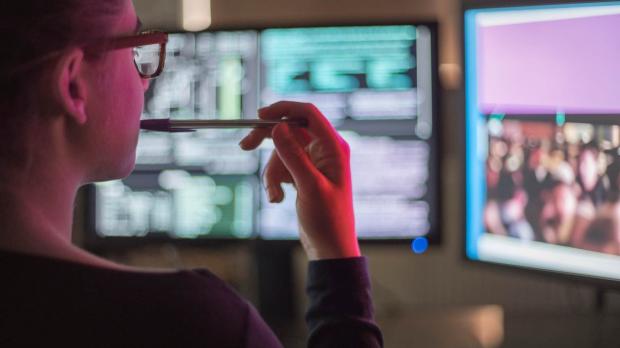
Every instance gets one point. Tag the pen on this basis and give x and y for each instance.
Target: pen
(168, 125)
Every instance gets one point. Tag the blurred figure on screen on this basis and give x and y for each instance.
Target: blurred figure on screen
(588, 176)
(589, 190)
(603, 234)
(557, 217)
(497, 151)
(506, 214)
(534, 177)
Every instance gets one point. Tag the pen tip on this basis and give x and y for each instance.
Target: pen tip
(161, 125)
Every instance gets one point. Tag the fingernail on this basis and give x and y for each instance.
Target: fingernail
(242, 143)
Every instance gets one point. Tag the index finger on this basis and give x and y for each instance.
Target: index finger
(318, 124)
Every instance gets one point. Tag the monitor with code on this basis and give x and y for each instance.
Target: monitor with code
(376, 84)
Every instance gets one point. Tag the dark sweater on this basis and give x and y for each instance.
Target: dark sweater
(49, 302)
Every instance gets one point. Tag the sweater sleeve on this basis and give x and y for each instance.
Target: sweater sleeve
(340, 312)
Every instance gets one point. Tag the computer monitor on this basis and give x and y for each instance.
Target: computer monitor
(542, 137)
(376, 84)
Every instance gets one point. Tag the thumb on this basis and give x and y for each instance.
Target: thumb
(294, 156)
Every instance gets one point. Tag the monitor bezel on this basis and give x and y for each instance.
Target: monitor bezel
(93, 241)
(577, 279)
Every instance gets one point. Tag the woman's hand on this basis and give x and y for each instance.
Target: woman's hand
(316, 161)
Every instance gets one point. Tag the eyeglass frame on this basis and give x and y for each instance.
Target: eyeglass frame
(147, 37)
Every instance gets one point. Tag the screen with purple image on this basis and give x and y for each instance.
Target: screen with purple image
(542, 137)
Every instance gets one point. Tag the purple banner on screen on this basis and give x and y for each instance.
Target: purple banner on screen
(569, 65)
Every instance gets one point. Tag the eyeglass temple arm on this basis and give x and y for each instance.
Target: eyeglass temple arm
(146, 38)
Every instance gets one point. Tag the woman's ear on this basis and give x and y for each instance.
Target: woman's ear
(69, 85)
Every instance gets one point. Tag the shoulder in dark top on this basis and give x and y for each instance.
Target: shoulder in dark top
(48, 301)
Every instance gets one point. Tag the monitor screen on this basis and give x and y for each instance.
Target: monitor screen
(542, 138)
(376, 84)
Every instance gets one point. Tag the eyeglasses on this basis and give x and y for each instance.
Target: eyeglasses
(149, 50)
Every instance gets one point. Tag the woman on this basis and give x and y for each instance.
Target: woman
(71, 96)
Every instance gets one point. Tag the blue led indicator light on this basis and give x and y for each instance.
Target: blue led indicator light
(419, 245)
